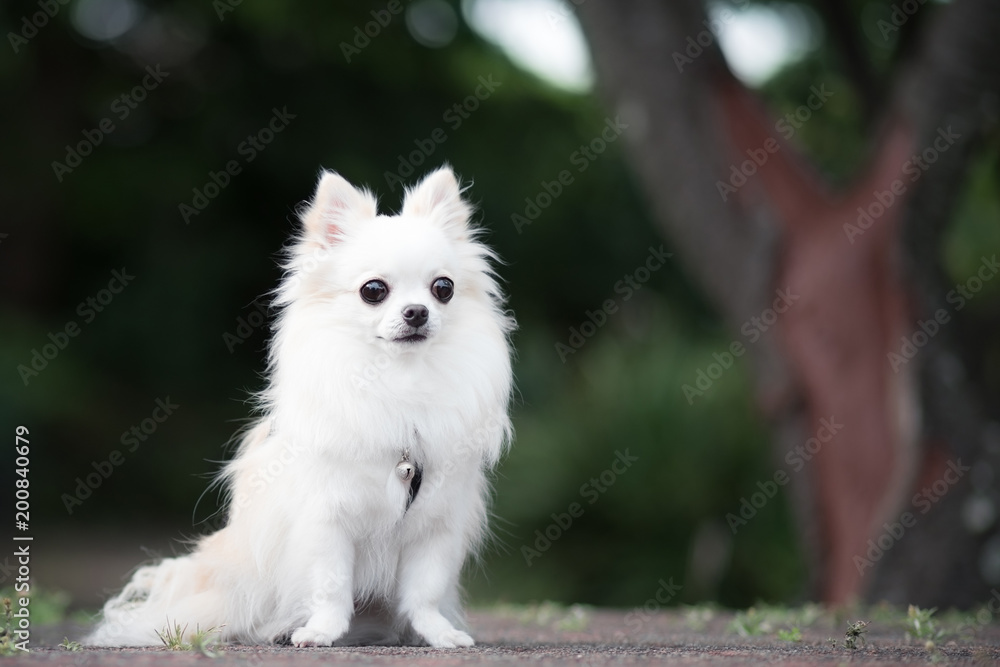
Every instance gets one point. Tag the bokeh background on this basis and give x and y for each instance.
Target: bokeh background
(188, 327)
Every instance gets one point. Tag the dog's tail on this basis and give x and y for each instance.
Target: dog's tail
(179, 597)
(174, 598)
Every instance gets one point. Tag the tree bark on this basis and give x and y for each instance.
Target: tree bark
(858, 289)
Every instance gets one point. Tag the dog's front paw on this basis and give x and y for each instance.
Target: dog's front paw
(312, 637)
(450, 639)
(323, 629)
(437, 630)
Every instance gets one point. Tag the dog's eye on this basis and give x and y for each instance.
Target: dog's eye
(443, 289)
(374, 291)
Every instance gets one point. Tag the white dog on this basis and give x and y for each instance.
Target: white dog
(355, 500)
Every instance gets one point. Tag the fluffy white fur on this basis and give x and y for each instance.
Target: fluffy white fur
(320, 547)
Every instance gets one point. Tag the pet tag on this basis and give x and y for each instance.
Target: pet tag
(411, 473)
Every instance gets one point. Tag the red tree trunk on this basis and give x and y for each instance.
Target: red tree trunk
(861, 264)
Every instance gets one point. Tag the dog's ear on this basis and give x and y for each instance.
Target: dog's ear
(439, 197)
(336, 204)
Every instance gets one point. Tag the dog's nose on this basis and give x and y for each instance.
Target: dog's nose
(415, 315)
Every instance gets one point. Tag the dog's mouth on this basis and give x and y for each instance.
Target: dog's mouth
(412, 338)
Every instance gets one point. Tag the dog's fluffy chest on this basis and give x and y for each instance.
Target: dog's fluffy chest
(374, 494)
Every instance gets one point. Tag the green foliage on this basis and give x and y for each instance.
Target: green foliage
(750, 623)
(832, 135)
(697, 617)
(572, 618)
(47, 606)
(974, 232)
(611, 399)
(7, 627)
(764, 619)
(782, 621)
(928, 625)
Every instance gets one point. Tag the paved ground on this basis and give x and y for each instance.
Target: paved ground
(550, 635)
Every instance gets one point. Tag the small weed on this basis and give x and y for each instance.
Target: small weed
(855, 636)
(750, 623)
(574, 618)
(920, 625)
(173, 638)
(201, 642)
(47, 607)
(68, 645)
(698, 617)
(882, 613)
(762, 619)
(7, 629)
(808, 614)
(964, 625)
(781, 615)
(790, 635)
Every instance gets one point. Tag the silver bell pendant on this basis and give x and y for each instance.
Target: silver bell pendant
(405, 470)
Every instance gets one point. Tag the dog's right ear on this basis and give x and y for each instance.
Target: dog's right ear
(336, 205)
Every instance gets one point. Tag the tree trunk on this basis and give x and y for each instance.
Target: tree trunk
(851, 287)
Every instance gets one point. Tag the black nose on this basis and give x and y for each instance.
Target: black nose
(415, 315)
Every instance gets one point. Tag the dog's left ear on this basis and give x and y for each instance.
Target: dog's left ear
(439, 197)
